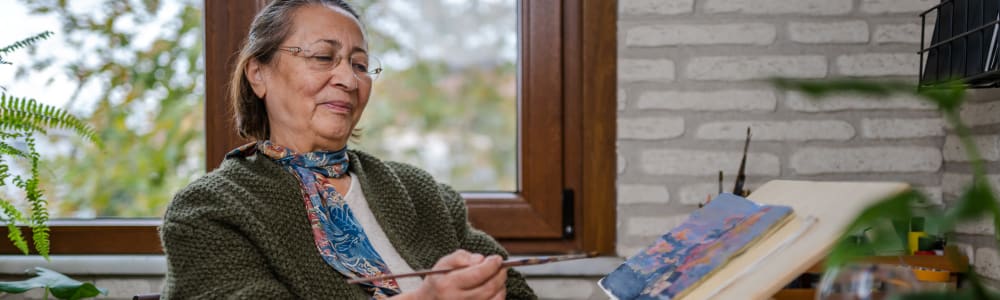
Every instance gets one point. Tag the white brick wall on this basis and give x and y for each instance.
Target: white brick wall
(700, 162)
(650, 128)
(777, 130)
(721, 55)
(952, 184)
(652, 226)
(981, 226)
(659, 7)
(896, 6)
(899, 33)
(733, 68)
(988, 263)
(902, 128)
(622, 100)
(806, 7)
(702, 34)
(975, 114)
(878, 64)
(812, 160)
(642, 193)
(803, 103)
(731, 100)
(828, 32)
(987, 145)
(657, 70)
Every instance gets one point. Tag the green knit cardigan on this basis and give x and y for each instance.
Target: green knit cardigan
(241, 231)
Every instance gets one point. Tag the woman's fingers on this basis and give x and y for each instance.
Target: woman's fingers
(481, 278)
(476, 274)
(459, 258)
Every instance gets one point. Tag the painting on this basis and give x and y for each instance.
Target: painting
(680, 259)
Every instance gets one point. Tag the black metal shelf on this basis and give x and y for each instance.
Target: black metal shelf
(961, 44)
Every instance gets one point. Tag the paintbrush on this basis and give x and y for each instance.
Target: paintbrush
(509, 263)
(741, 174)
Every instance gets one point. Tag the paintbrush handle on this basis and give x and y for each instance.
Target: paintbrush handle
(505, 264)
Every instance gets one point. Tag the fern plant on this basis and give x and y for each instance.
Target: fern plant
(21, 119)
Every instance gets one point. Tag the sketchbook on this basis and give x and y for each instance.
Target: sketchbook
(682, 258)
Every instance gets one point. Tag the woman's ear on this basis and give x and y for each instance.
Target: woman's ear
(255, 75)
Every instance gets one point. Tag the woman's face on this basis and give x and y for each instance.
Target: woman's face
(312, 102)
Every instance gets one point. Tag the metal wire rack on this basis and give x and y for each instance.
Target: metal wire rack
(964, 45)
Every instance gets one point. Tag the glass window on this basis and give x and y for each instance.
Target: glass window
(447, 101)
(135, 71)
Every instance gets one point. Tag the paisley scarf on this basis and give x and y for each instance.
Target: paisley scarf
(339, 237)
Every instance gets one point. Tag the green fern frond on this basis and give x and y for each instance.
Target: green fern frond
(6, 149)
(25, 42)
(28, 115)
(39, 212)
(13, 233)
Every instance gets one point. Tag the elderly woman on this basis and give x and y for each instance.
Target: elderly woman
(295, 213)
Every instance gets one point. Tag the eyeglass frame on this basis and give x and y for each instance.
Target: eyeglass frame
(301, 52)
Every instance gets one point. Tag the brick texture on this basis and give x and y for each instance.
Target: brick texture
(896, 6)
(699, 162)
(829, 32)
(734, 68)
(657, 70)
(650, 128)
(893, 159)
(726, 100)
(899, 33)
(696, 75)
(799, 102)
(902, 128)
(878, 64)
(777, 130)
(658, 7)
(804, 7)
(673, 35)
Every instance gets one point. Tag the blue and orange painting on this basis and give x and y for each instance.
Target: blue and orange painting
(682, 258)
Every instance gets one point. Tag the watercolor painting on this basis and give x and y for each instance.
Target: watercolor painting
(682, 258)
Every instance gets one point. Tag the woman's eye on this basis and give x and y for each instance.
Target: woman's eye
(324, 59)
(361, 67)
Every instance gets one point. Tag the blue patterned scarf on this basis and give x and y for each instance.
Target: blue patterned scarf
(338, 235)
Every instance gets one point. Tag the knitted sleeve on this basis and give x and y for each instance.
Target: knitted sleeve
(474, 240)
(208, 259)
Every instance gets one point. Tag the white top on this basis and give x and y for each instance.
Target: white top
(355, 198)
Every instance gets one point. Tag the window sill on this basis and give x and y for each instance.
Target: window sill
(156, 265)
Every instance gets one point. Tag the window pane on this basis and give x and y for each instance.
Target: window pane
(134, 71)
(447, 101)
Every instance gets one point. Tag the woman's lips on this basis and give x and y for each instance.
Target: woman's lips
(335, 106)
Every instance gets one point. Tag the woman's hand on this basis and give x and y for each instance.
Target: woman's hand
(483, 278)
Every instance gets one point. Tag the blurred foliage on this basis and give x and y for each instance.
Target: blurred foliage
(977, 201)
(61, 286)
(447, 101)
(148, 108)
(443, 104)
(21, 119)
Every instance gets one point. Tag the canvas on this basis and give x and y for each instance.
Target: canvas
(682, 258)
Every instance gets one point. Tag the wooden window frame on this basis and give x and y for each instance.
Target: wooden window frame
(567, 100)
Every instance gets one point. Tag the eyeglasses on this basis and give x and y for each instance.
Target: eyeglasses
(324, 59)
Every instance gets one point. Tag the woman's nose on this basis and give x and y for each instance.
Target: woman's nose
(343, 75)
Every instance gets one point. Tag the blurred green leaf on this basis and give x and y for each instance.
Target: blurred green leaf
(59, 285)
(978, 198)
